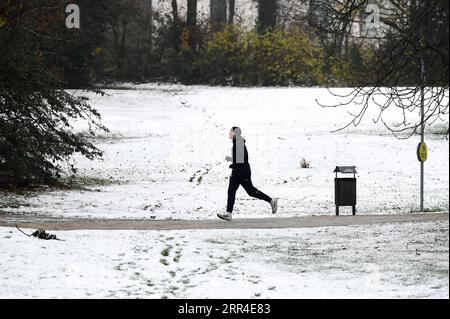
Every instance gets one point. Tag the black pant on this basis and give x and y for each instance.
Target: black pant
(242, 178)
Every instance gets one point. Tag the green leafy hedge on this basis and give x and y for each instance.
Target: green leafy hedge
(283, 57)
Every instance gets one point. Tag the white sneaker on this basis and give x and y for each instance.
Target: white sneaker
(226, 216)
(274, 204)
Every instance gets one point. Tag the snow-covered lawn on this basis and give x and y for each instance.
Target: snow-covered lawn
(408, 260)
(164, 157)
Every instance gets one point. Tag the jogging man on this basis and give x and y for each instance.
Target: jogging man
(241, 175)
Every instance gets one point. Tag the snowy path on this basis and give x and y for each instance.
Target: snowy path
(52, 223)
(394, 260)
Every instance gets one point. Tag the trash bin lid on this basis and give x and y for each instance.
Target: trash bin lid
(345, 169)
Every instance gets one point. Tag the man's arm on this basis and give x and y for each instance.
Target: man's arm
(238, 151)
(232, 159)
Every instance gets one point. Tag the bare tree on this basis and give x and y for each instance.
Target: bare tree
(410, 34)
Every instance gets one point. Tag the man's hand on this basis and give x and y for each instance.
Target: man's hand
(228, 159)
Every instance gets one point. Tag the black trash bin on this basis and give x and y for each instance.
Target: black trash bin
(345, 188)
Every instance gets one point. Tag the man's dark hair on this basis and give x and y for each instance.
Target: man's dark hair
(236, 130)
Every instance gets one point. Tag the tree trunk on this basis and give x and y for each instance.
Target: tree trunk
(267, 15)
(116, 43)
(175, 27)
(150, 29)
(218, 14)
(175, 10)
(231, 11)
(192, 23)
(123, 50)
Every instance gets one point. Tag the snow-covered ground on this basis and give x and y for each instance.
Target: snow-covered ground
(408, 260)
(164, 157)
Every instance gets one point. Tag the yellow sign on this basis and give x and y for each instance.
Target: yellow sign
(422, 152)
